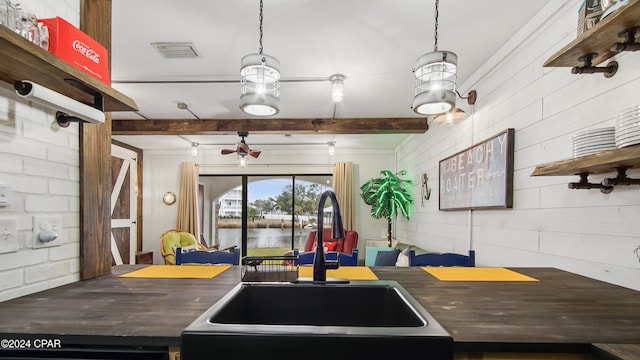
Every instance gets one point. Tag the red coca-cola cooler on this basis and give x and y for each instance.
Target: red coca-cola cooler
(77, 48)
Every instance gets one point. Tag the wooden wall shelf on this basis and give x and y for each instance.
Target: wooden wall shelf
(22, 60)
(599, 38)
(603, 162)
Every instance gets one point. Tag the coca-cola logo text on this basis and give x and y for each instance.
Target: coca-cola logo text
(86, 51)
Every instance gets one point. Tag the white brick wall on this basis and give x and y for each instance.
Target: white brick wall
(582, 231)
(39, 160)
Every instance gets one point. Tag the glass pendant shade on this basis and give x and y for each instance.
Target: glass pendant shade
(337, 88)
(436, 74)
(450, 117)
(243, 161)
(260, 85)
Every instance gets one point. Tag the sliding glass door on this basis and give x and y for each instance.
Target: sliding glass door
(264, 215)
(282, 212)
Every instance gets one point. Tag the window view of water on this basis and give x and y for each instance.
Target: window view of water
(264, 238)
(270, 202)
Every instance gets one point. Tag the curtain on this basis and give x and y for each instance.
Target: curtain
(188, 219)
(343, 187)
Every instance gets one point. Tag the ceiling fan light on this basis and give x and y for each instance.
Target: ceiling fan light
(434, 91)
(242, 160)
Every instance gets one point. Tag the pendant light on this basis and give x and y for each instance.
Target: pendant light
(435, 73)
(260, 81)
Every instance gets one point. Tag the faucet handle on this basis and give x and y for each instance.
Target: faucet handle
(332, 264)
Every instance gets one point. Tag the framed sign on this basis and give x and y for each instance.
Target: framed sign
(479, 177)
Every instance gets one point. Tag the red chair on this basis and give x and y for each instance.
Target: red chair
(345, 245)
(344, 249)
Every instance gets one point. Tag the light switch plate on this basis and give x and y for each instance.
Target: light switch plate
(8, 234)
(5, 195)
(47, 223)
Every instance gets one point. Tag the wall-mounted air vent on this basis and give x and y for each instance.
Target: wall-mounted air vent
(176, 50)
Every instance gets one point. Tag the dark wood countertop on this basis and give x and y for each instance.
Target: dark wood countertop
(561, 309)
(116, 311)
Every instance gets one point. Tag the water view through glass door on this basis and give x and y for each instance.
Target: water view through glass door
(280, 211)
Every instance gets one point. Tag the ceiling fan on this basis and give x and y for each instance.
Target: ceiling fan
(242, 148)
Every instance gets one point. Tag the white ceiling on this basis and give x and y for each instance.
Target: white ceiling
(373, 43)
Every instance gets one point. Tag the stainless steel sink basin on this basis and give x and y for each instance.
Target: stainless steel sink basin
(362, 319)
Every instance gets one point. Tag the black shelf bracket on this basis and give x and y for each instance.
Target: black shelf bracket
(629, 43)
(620, 179)
(585, 184)
(607, 184)
(588, 68)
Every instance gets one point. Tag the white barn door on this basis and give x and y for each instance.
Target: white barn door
(124, 166)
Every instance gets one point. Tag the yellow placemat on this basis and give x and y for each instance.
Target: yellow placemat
(178, 272)
(476, 274)
(343, 272)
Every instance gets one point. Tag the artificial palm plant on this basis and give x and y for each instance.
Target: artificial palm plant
(388, 195)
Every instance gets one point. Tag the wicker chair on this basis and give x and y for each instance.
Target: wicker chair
(174, 238)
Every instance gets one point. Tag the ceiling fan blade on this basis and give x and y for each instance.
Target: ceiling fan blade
(227, 151)
(243, 148)
(255, 154)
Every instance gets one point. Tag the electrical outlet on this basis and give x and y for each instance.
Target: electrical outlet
(8, 235)
(47, 231)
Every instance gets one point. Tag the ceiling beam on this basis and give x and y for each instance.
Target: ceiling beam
(297, 126)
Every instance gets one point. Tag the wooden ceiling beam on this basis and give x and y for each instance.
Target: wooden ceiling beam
(297, 126)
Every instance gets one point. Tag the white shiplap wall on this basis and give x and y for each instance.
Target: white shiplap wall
(582, 231)
(40, 162)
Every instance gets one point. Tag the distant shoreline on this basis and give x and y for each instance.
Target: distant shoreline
(259, 223)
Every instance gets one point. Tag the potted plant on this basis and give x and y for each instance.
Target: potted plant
(388, 195)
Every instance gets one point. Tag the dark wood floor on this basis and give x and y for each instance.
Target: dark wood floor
(562, 310)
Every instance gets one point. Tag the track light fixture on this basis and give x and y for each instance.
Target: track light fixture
(337, 88)
(184, 106)
(194, 149)
(331, 145)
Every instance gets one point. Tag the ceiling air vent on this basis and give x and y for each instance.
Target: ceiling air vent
(176, 50)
